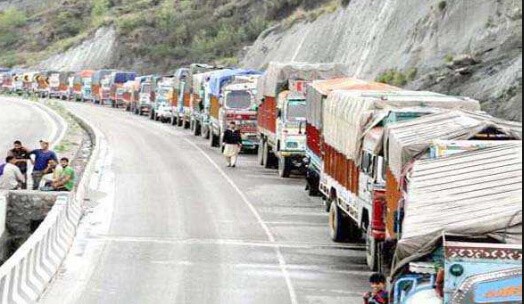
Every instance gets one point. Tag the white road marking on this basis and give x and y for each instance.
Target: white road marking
(282, 262)
(230, 242)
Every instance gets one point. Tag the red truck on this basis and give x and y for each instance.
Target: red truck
(282, 113)
(353, 175)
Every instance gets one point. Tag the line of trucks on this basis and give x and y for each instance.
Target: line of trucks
(429, 182)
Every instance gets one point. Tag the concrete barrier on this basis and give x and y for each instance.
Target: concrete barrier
(26, 275)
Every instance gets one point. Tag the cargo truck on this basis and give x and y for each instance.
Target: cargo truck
(116, 87)
(81, 90)
(199, 102)
(146, 95)
(232, 99)
(462, 229)
(282, 113)
(180, 106)
(162, 109)
(352, 179)
(58, 83)
(432, 136)
(317, 92)
(96, 85)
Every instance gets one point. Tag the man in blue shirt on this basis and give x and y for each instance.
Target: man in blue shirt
(42, 157)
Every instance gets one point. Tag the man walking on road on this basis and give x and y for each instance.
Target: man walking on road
(12, 177)
(21, 154)
(232, 144)
(42, 158)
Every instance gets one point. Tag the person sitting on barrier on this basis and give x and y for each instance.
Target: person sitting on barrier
(52, 173)
(66, 179)
(378, 295)
(42, 157)
(12, 178)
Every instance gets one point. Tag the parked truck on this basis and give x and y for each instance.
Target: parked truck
(432, 136)
(282, 113)
(199, 97)
(81, 89)
(457, 245)
(352, 179)
(232, 99)
(116, 87)
(317, 92)
(58, 83)
(96, 85)
(146, 95)
(162, 109)
(180, 106)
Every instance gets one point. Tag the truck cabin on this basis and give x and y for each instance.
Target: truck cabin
(461, 270)
(292, 110)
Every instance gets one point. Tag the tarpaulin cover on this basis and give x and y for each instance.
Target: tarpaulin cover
(123, 77)
(472, 194)
(278, 75)
(404, 141)
(221, 78)
(318, 90)
(99, 75)
(348, 114)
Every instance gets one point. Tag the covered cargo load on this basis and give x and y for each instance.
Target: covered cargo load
(277, 76)
(404, 141)
(348, 115)
(472, 194)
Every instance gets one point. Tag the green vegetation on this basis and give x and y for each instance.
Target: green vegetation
(442, 5)
(164, 33)
(397, 78)
(449, 58)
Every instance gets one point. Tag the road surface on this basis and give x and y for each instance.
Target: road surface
(185, 229)
(22, 120)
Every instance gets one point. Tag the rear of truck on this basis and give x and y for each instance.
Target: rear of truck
(461, 236)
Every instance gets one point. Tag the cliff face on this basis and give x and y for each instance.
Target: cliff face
(471, 48)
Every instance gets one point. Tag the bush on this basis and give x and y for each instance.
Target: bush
(396, 78)
(442, 5)
(12, 18)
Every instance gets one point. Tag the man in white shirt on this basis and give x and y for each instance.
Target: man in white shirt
(12, 177)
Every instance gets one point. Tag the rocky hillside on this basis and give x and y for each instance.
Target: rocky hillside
(461, 47)
(471, 48)
(144, 35)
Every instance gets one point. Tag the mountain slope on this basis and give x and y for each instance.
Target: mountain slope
(471, 48)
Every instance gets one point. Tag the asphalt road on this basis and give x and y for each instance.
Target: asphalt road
(22, 120)
(181, 228)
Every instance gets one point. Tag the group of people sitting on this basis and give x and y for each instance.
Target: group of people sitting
(48, 173)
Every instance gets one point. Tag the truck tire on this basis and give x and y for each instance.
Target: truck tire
(269, 157)
(261, 152)
(180, 122)
(372, 252)
(342, 228)
(284, 167)
(152, 115)
(337, 224)
(196, 128)
(173, 121)
(213, 142)
(187, 124)
(327, 204)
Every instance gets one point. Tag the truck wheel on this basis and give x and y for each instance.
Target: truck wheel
(187, 124)
(196, 128)
(205, 132)
(261, 152)
(327, 204)
(284, 167)
(372, 251)
(337, 224)
(268, 157)
(152, 115)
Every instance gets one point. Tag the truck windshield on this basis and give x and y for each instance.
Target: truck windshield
(238, 100)
(296, 111)
(146, 88)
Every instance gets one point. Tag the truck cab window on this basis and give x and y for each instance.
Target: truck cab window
(296, 111)
(239, 100)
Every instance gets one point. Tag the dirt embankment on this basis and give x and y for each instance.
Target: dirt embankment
(471, 48)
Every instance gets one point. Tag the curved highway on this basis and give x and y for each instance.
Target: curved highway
(170, 224)
(24, 121)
